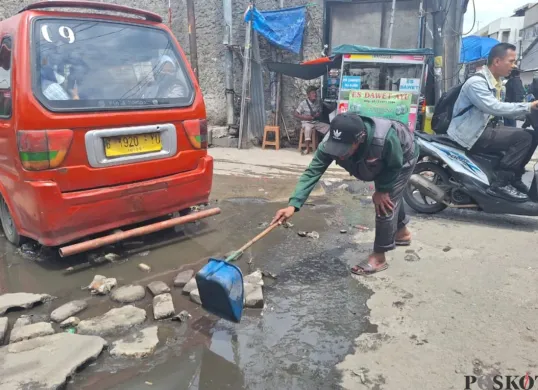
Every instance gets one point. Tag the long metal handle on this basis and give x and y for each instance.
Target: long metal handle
(248, 244)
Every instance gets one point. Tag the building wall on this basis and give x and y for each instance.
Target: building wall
(210, 32)
(356, 23)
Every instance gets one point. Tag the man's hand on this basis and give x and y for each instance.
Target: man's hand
(283, 215)
(534, 105)
(382, 203)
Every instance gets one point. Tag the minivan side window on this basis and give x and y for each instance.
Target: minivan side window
(5, 78)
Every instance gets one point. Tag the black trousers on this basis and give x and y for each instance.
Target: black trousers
(517, 143)
(387, 226)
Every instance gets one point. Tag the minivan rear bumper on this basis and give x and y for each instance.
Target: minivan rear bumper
(54, 218)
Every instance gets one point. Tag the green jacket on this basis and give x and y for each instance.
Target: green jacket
(392, 156)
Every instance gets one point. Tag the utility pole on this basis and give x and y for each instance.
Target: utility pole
(229, 61)
(438, 24)
(191, 18)
(391, 23)
(421, 25)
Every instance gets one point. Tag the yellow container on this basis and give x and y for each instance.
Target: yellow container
(428, 120)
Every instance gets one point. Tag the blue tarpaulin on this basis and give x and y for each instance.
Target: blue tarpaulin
(475, 48)
(283, 28)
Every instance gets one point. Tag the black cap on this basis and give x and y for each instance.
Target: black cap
(344, 131)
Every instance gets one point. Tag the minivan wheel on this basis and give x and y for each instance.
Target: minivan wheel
(8, 225)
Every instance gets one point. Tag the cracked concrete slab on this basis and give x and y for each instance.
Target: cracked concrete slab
(21, 300)
(46, 362)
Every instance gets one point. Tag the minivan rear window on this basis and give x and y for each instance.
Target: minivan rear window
(88, 65)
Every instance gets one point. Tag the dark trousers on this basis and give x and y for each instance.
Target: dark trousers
(387, 226)
(517, 144)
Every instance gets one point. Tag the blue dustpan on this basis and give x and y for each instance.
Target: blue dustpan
(220, 284)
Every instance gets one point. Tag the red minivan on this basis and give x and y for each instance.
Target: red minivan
(102, 122)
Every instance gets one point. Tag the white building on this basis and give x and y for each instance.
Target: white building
(504, 30)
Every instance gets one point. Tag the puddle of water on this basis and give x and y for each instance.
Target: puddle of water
(314, 309)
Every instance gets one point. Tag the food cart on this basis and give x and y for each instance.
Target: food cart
(380, 82)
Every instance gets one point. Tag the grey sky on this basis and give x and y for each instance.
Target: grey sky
(489, 10)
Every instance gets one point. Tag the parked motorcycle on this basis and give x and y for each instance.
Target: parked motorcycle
(447, 175)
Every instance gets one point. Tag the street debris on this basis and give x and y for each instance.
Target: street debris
(158, 287)
(314, 235)
(447, 249)
(268, 274)
(68, 310)
(102, 285)
(143, 254)
(263, 225)
(3, 328)
(54, 359)
(29, 248)
(343, 187)
(148, 383)
(191, 285)
(183, 278)
(163, 306)
(288, 225)
(21, 300)
(137, 345)
(71, 330)
(70, 322)
(361, 228)
(343, 231)
(183, 316)
(128, 294)
(195, 296)
(113, 321)
(31, 331)
(112, 257)
(144, 267)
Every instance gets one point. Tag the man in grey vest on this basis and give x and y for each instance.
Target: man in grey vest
(370, 149)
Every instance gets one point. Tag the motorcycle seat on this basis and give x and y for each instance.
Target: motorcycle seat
(439, 138)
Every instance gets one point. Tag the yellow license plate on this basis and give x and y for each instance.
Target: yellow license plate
(126, 145)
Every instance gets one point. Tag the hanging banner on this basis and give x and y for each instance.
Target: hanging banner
(381, 104)
(283, 28)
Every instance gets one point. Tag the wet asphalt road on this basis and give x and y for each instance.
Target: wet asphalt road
(314, 309)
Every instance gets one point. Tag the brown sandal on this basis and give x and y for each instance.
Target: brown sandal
(367, 269)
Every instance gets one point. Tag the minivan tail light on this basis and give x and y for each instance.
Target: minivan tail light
(196, 131)
(43, 149)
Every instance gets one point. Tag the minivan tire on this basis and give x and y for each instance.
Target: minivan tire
(10, 230)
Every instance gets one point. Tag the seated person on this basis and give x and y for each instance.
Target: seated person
(308, 111)
(166, 84)
(51, 85)
(475, 128)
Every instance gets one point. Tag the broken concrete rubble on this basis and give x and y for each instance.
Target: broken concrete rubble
(163, 306)
(128, 294)
(69, 309)
(158, 287)
(21, 300)
(191, 285)
(22, 321)
(182, 317)
(102, 285)
(195, 296)
(114, 320)
(253, 296)
(70, 322)
(3, 328)
(30, 332)
(254, 278)
(46, 362)
(183, 278)
(138, 344)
